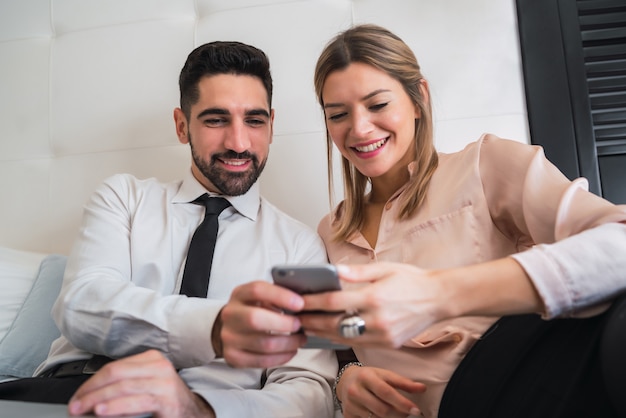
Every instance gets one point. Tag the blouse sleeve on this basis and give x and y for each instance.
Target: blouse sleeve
(577, 240)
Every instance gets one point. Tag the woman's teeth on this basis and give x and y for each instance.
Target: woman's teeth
(372, 147)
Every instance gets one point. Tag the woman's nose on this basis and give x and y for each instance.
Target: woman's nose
(361, 124)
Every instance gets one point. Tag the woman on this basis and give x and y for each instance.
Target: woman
(457, 241)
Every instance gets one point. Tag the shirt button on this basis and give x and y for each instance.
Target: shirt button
(388, 206)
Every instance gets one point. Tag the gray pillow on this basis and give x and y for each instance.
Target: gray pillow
(27, 342)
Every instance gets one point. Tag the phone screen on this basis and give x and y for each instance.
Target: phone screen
(305, 279)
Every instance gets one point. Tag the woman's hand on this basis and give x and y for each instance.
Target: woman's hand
(369, 390)
(143, 383)
(396, 301)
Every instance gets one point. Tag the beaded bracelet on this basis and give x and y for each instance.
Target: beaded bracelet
(343, 369)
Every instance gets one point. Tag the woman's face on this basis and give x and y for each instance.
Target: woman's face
(370, 118)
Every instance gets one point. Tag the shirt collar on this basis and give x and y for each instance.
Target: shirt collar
(247, 204)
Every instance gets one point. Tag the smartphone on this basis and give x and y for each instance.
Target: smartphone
(305, 279)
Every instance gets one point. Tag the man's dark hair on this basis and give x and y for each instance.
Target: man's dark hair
(221, 58)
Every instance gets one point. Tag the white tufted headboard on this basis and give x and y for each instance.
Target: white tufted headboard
(87, 89)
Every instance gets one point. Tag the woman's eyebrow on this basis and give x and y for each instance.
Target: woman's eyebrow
(374, 93)
(367, 96)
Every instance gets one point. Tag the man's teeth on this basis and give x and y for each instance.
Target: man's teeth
(234, 162)
(372, 147)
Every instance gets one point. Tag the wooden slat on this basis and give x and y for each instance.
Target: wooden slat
(603, 33)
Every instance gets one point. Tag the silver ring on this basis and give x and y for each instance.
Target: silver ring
(351, 327)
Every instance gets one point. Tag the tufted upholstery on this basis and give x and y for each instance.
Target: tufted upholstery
(87, 89)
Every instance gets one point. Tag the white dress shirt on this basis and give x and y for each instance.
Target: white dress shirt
(120, 294)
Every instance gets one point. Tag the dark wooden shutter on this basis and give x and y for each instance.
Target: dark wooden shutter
(603, 32)
(574, 60)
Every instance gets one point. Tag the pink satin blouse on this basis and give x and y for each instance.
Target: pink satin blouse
(495, 198)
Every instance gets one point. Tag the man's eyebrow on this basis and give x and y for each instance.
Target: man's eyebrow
(367, 96)
(225, 112)
(213, 111)
(258, 112)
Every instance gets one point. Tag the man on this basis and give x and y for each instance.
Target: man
(120, 298)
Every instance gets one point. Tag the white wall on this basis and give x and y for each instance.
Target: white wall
(87, 89)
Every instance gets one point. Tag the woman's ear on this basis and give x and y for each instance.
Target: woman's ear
(180, 121)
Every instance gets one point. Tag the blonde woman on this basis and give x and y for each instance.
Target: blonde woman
(456, 262)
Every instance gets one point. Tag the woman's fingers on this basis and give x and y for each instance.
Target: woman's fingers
(370, 389)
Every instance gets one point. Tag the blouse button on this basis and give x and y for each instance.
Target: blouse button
(388, 206)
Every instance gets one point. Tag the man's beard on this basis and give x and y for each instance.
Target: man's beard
(229, 183)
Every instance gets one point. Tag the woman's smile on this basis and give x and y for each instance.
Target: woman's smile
(373, 146)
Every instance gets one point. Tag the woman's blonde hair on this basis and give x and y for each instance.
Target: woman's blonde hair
(380, 48)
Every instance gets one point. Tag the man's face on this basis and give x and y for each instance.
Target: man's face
(229, 131)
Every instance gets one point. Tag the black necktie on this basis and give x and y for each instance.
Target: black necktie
(200, 254)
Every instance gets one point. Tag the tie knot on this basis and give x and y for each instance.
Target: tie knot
(213, 205)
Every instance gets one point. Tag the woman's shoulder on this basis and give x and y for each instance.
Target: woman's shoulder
(494, 143)
(490, 143)
(500, 155)
(490, 161)
(490, 150)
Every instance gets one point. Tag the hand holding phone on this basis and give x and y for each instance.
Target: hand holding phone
(305, 279)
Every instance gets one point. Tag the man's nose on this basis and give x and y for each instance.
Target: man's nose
(237, 138)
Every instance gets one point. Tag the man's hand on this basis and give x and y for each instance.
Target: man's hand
(254, 330)
(143, 383)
